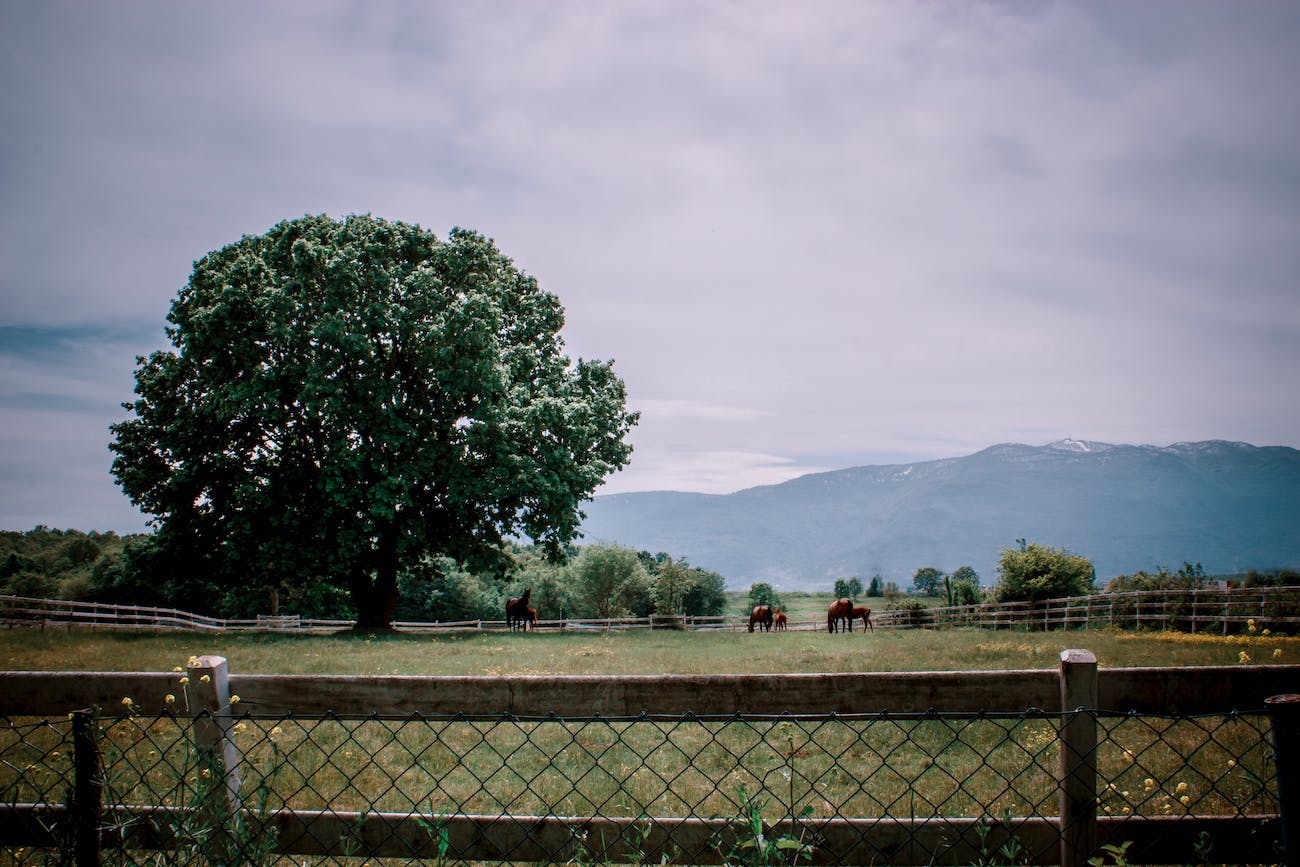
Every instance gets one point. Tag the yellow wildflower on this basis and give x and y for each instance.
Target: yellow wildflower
(170, 699)
(1250, 625)
(184, 680)
(207, 678)
(193, 662)
(126, 702)
(1232, 763)
(1243, 657)
(1277, 653)
(206, 773)
(234, 699)
(177, 668)
(1185, 800)
(1180, 789)
(1267, 632)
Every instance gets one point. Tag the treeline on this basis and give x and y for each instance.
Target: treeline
(590, 581)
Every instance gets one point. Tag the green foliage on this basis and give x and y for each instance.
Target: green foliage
(850, 588)
(56, 563)
(438, 588)
(608, 581)
(876, 587)
(346, 398)
(962, 587)
(1189, 577)
(927, 581)
(756, 847)
(762, 593)
(1034, 572)
(1272, 578)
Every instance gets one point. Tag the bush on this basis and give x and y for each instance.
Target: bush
(762, 593)
(1035, 572)
(609, 581)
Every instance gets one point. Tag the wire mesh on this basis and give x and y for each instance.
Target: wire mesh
(335, 789)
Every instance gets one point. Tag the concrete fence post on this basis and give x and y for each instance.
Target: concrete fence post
(1077, 776)
(214, 741)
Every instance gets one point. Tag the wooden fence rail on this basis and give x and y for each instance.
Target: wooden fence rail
(1201, 610)
(1077, 685)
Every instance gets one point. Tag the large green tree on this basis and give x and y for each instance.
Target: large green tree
(345, 397)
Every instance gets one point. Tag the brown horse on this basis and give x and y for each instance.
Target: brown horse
(517, 611)
(762, 615)
(779, 620)
(865, 614)
(840, 614)
(532, 618)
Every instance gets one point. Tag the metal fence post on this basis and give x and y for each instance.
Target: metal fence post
(87, 789)
(1284, 713)
(1078, 769)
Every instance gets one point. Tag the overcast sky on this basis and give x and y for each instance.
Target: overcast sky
(811, 235)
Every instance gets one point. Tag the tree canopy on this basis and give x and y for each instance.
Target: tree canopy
(344, 397)
(927, 580)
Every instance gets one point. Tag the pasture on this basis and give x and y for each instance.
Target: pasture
(923, 774)
(640, 652)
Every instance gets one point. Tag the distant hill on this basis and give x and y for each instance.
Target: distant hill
(1230, 506)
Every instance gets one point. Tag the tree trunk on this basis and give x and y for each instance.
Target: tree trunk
(376, 598)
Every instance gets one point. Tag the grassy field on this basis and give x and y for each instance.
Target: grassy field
(637, 652)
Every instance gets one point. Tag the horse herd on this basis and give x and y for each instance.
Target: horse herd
(839, 617)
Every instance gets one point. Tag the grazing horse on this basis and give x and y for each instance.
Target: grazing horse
(779, 620)
(517, 611)
(865, 614)
(532, 618)
(841, 610)
(762, 615)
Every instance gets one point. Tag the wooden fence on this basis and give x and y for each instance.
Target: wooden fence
(1067, 838)
(1202, 610)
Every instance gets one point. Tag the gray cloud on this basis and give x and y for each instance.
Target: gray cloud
(811, 236)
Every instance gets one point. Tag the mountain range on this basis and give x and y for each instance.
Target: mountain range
(1229, 506)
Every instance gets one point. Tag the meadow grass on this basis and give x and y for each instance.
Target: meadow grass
(638, 652)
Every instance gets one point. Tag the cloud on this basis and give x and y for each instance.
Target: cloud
(817, 235)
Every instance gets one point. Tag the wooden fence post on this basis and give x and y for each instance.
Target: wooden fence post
(87, 788)
(215, 745)
(1078, 769)
(1284, 712)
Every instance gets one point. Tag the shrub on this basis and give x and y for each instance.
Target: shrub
(1035, 572)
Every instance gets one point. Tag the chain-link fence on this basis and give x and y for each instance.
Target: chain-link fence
(880, 788)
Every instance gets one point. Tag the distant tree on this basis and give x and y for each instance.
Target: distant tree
(761, 593)
(670, 585)
(962, 587)
(1033, 572)
(877, 581)
(707, 595)
(1188, 577)
(927, 581)
(890, 590)
(608, 581)
(1272, 578)
(848, 587)
(345, 398)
